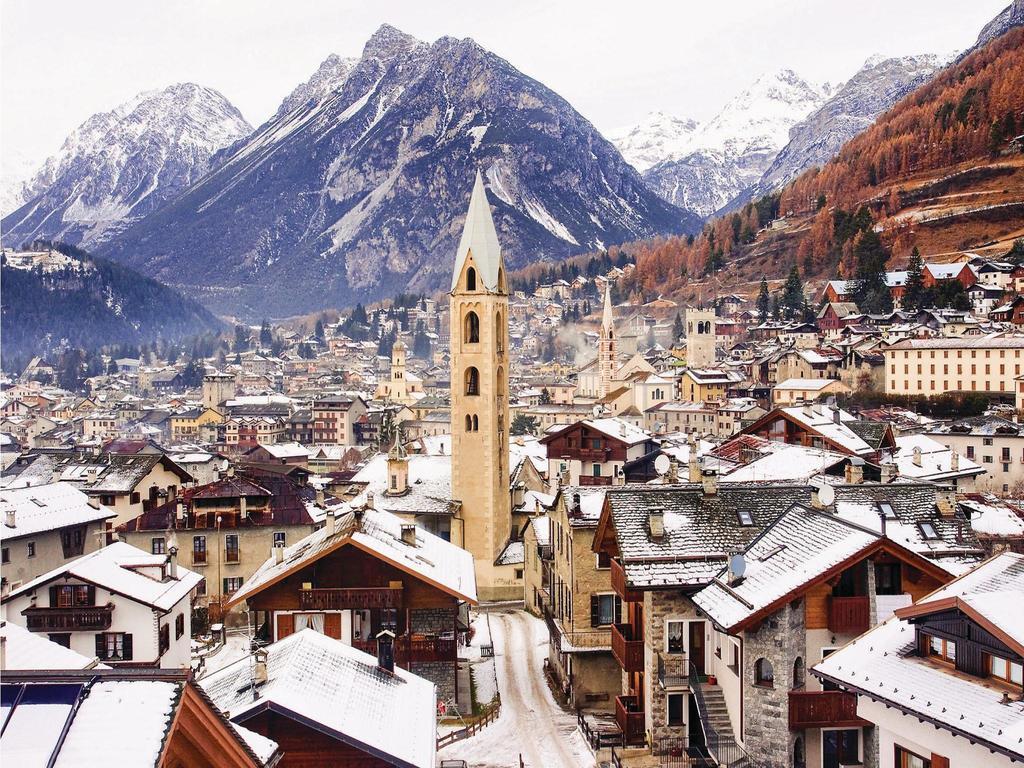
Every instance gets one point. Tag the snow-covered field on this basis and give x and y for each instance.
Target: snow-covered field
(531, 724)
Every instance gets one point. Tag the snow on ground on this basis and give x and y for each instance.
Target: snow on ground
(482, 669)
(236, 647)
(531, 723)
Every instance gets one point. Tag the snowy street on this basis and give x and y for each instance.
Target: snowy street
(531, 722)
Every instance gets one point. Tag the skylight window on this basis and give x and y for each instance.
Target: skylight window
(886, 509)
(38, 503)
(745, 517)
(928, 530)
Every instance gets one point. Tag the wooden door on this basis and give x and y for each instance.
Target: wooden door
(697, 645)
(332, 625)
(285, 625)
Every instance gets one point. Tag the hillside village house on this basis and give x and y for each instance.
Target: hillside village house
(225, 529)
(44, 527)
(942, 681)
(985, 364)
(823, 425)
(363, 572)
(594, 451)
(996, 444)
(119, 604)
(793, 391)
(335, 417)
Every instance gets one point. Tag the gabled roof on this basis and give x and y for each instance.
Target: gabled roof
(339, 691)
(42, 508)
(124, 570)
(30, 650)
(479, 237)
(378, 533)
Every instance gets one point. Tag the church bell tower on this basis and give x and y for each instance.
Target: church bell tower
(478, 305)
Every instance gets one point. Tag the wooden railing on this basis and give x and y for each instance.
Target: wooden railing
(408, 650)
(363, 598)
(618, 575)
(63, 619)
(819, 709)
(630, 718)
(627, 651)
(490, 714)
(590, 454)
(849, 615)
(595, 479)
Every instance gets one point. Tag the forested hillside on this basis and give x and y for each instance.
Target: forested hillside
(940, 170)
(89, 302)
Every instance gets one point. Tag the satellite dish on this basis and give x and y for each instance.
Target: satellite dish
(662, 464)
(826, 494)
(737, 565)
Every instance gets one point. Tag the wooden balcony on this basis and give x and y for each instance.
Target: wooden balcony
(87, 619)
(590, 454)
(823, 709)
(849, 615)
(346, 599)
(629, 716)
(418, 648)
(595, 479)
(619, 584)
(627, 651)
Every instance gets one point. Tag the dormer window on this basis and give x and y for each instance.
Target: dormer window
(928, 531)
(744, 516)
(941, 649)
(1011, 672)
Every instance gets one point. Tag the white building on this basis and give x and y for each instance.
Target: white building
(118, 604)
(941, 680)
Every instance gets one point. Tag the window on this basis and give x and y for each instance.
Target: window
(134, 498)
(201, 588)
(232, 585)
(72, 596)
(519, 573)
(928, 530)
(198, 550)
(675, 632)
(61, 638)
(675, 708)
(764, 675)
(907, 759)
(179, 626)
(114, 646)
(604, 561)
(165, 639)
(840, 747)
(5, 555)
(470, 279)
(887, 579)
(72, 540)
(942, 649)
(472, 381)
(1008, 671)
(472, 329)
(231, 548)
(597, 469)
(603, 610)
(744, 517)
(157, 545)
(279, 538)
(798, 673)
(31, 547)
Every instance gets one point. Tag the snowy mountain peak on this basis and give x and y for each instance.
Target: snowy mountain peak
(658, 137)
(119, 165)
(389, 42)
(329, 77)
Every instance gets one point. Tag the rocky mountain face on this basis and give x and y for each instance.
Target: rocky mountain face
(360, 189)
(56, 298)
(120, 165)
(656, 138)
(879, 84)
(328, 78)
(1011, 16)
(731, 151)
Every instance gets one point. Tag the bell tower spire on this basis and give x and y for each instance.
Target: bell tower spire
(478, 317)
(606, 345)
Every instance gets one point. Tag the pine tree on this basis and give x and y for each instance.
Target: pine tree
(871, 292)
(764, 301)
(913, 292)
(677, 328)
(776, 307)
(319, 331)
(266, 336)
(793, 294)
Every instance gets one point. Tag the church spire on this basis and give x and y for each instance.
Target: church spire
(480, 238)
(607, 318)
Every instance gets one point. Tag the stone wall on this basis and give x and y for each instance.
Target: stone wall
(660, 607)
(780, 639)
(442, 674)
(432, 621)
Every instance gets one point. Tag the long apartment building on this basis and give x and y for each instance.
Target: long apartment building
(985, 364)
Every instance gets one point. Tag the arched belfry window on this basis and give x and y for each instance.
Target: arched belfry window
(470, 279)
(472, 333)
(469, 423)
(476, 423)
(472, 381)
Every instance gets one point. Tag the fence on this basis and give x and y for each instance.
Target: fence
(489, 716)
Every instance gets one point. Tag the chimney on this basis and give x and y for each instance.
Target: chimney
(710, 480)
(881, 521)
(230, 470)
(386, 650)
(90, 475)
(9, 521)
(945, 500)
(278, 552)
(369, 501)
(172, 561)
(259, 673)
(320, 497)
(673, 472)
(330, 524)
(917, 456)
(816, 501)
(409, 534)
(693, 473)
(954, 461)
(836, 415)
(888, 472)
(656, 523)
(575, 510)
(855, 471)
(93, 502)
(57, 475)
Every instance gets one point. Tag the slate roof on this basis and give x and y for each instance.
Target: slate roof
(882, 665)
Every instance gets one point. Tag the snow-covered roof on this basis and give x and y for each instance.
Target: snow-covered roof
(784, 461)
(799, 547)
(823, 420)
(125, 570)
(994, 517)
(809, 385)
(42, 508)
(30, 650)
(936, 460)
(339, 689)
(429, 484)
(619, 429)
(514, 553)
(286, 450)
(881, 664)
(541, 529)
(379, 533)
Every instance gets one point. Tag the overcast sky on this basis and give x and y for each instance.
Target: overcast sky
(61, 61)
